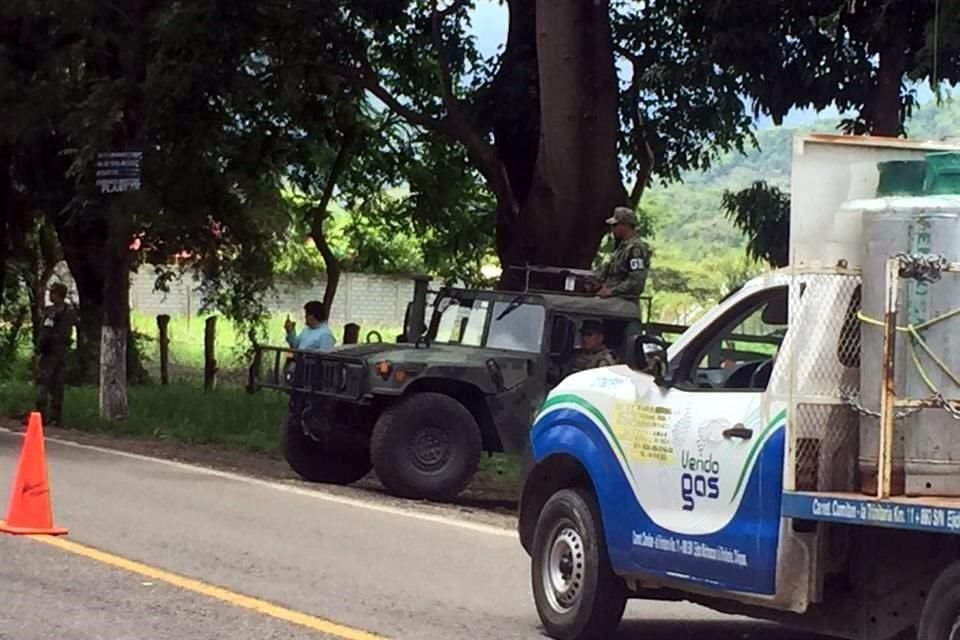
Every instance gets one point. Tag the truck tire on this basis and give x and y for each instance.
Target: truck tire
(940, 619)
(334, 461)
(578, 596)
(426, 446)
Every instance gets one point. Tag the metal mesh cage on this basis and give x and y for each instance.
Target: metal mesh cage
(817, 377)
(826, 445)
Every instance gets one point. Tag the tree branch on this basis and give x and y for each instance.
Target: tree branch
(453, 124)
(443, 60)
(645, 157)
(317, 216)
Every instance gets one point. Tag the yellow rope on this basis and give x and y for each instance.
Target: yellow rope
(914, 332)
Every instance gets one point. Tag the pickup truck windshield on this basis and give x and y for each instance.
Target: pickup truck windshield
(463, 322)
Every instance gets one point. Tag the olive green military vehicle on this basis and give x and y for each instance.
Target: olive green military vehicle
(421, 411)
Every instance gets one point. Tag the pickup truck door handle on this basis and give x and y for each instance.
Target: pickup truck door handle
(738, 431)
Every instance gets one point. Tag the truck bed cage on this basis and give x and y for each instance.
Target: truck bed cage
(919, 513)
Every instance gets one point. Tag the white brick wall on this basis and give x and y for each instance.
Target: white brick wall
(369, 300)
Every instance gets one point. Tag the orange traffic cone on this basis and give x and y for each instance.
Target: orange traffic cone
(30, 511)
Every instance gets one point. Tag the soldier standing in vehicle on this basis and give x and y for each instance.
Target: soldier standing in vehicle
(57, 322)
(593, 352)
(625, 275)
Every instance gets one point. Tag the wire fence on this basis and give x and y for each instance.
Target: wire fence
(186, 341)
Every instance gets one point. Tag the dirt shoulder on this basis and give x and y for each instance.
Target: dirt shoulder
(486, 501)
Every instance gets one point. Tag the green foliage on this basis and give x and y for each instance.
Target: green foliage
(690, 114)
(15, 326)
(830, 52)
(763, 214)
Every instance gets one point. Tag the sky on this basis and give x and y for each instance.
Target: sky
(490, 28)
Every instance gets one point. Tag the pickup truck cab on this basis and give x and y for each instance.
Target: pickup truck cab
(733, 468)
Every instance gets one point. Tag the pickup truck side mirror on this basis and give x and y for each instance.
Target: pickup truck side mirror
(648, 354)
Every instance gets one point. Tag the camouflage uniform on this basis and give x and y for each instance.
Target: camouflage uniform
(626, 273)
(51, 353)
(583, 360)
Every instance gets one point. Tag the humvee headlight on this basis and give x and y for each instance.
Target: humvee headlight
(383, 369)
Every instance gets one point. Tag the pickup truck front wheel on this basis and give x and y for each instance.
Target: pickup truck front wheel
(426, 446)
(333, 460)
(578, 596)
(940, 619)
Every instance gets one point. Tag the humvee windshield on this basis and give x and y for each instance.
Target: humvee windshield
(479, 322)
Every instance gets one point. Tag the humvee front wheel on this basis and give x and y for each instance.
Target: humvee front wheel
(333, 461)
(426, 446)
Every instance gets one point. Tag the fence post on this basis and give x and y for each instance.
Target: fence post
(210, 354)
(351, 333)
(163, 327)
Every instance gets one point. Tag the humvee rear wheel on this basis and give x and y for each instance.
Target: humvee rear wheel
(578, 596)
(334, 460)
(426, 446)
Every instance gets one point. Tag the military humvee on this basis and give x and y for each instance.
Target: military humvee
(421, 411)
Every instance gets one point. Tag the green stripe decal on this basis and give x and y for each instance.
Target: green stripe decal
(754, 451)
(569, 398)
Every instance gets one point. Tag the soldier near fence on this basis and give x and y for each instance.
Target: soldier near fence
(56, 327)
(593, 352)
(625, 275)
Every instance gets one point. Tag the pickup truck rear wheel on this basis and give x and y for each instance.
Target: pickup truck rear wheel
(426, 446)
(335, 460)
(940, 619)
(578, 596)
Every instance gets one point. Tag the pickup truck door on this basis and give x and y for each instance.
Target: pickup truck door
(707, 460)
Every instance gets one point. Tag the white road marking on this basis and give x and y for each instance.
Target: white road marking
(317, 494)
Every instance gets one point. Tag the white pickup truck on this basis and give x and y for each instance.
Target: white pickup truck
(795, 454)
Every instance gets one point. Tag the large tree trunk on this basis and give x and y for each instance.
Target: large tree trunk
(114, 335)
(6, 211)
(516, 130)
(83, 239)
(130, 135)
(886, 98)
(576, 181)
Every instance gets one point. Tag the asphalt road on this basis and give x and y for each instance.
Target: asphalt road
(310, 559)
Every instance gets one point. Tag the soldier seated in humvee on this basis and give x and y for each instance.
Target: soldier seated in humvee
(593, 352)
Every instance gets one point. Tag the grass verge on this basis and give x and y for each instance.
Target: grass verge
(179, 412)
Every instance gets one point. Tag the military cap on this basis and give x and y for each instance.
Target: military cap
(591, 325)
(623, 214)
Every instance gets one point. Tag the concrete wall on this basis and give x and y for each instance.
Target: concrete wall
(370, 300)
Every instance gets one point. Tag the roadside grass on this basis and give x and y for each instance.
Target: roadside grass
(179, 413)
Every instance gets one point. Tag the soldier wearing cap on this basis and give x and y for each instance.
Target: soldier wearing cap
(625, 276)
(58, 320)
(593, 352)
